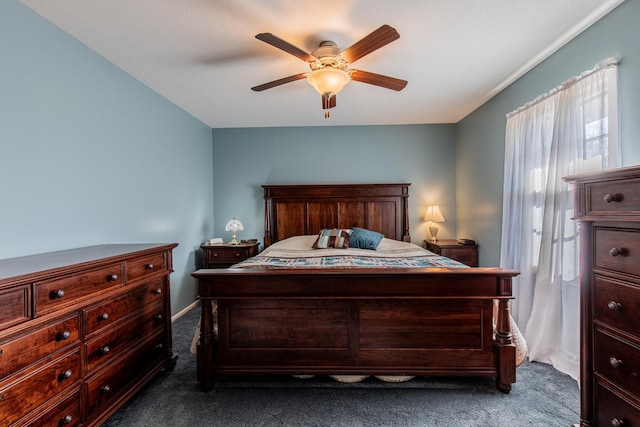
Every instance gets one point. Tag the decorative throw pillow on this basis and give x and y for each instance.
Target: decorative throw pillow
(364, 239)
(332, 238)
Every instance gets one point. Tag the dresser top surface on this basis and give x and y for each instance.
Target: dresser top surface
(605, 175)
(51, 261)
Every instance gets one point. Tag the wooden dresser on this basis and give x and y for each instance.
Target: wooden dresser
(81, 331)
(607, 204)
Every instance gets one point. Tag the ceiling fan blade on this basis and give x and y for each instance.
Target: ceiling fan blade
(279, 82)
(286, 46)
(378, 79)
(380, 37)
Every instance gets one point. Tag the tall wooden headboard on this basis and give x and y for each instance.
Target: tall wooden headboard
(292, 210)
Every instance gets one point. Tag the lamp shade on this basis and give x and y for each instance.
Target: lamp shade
(328, 80)
(233, 225)
(433, 214)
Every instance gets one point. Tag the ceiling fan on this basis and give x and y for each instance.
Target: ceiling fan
(329, 65)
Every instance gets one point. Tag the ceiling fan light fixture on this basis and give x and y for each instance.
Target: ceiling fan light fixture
(328, 80)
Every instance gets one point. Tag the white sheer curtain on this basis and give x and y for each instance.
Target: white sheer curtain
(571, 129)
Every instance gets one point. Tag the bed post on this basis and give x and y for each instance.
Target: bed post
(506, 349)
(205, 348)
(267, 218)
(406, 237)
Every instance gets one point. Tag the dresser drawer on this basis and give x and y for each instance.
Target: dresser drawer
(55, 294)
(43, 384)
(617, 250)
(23, 350)
(617, 304)
(120, 340)
(618, 361)
(64, 414)
(145, 266)
(105, 314)
(16, 304)
(611, 407)
(613, 197)
(113, 381)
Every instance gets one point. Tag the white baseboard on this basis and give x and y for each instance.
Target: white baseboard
(185, 310)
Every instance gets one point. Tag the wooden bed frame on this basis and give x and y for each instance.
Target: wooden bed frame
(427, 321)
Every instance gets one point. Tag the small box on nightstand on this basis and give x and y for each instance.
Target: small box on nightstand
(466, 254)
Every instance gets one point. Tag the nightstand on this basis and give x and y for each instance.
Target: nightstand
(225, 255)
(466, 254)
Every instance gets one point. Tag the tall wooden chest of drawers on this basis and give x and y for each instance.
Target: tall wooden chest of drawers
(81, 331)
(607, 204)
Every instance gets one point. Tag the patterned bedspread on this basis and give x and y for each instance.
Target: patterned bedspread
(296, 252)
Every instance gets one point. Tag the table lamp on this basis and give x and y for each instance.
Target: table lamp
(233, 225)
(434, 216)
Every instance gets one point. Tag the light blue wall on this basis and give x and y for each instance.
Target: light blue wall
(245, 159)
(480, 156)
(89, 155)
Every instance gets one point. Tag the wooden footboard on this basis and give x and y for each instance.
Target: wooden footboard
(386, 322)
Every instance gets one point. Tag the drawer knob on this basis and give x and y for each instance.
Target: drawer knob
(215, 254)
(158, 316)
(148, 266)
(66, 375)
(104, 350)
(157, 291)
(608, 198)
(64, 335)
(105, 389)
(615, 363)
(103, 316)
(617, 422)
(66, 420)
(112, 278)
(615, 306)
(615, 252)
(238, 255)
(56, 294)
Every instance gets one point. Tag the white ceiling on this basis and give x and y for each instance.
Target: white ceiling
(203, 56)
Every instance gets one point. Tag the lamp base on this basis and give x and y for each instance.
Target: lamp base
(233, 240)
(433, 229)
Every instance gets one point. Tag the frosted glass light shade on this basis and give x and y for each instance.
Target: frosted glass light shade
(328, 80)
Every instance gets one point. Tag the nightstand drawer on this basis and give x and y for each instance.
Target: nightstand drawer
(466, 254)
(223, 256)
(227, 255)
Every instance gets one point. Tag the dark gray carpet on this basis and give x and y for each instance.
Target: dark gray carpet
(542, 396)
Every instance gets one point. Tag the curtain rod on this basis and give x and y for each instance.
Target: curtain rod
(605, 63)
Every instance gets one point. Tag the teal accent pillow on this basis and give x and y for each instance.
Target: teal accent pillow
(332, 238)
(364, 239)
